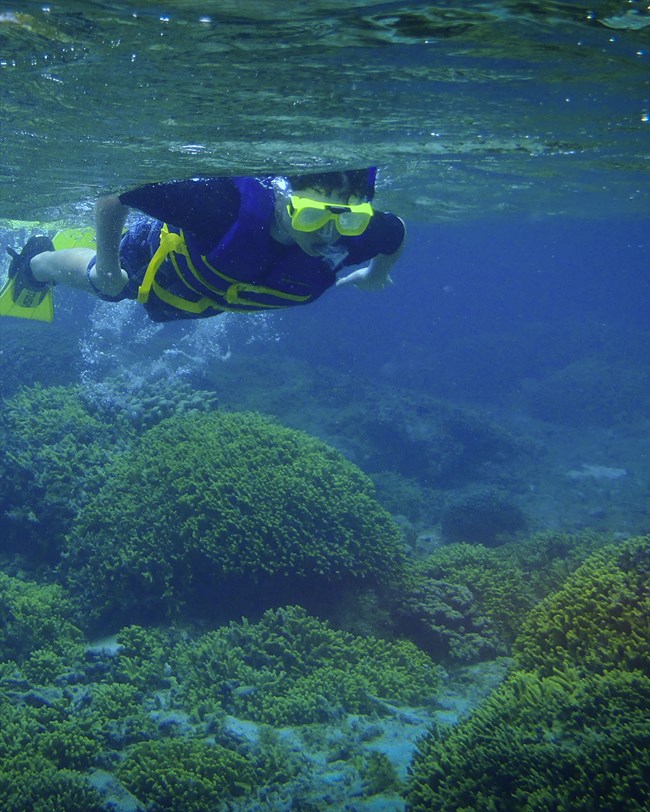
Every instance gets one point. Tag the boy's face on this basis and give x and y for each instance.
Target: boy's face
(317, 243)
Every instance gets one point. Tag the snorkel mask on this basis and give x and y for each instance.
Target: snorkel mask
(309, 215)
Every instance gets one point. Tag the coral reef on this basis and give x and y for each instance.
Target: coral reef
(467, 602)
(30, 782)
(171, 775)
(546, 559)
(591, 391)
(290, 668)
(34, 616)
(42, 759)
(144, 403)
(599, 619)
(423, 438)
(382, 428)
(406, 497)
(464, 603)
(56, 448)
(569, 729)
(443, 619)
(209, 508)
(58, 442)
(178, 719)
(538, 743)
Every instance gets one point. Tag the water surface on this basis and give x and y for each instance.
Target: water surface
(469, 107)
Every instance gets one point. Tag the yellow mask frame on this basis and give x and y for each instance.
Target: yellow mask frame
(309, 215)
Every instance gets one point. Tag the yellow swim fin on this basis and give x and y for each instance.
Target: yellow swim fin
(75, 238)
(26, 304)
(21, 295)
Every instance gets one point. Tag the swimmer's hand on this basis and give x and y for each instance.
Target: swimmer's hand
(367, 278)
(109, 278)
(375, 276)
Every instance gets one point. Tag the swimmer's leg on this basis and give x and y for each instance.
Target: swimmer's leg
(68, 267)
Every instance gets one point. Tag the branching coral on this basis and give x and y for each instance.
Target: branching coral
(546, 559)
(464, 603)
(542, 743)
(55, 450)
(42, 759)
(599, 619)
(291, 668)
(483, 516)
(28, 782)
(571, 731)
(34, 616)
(422, 438)
(444, 619)
(209, 499)
(171, 775)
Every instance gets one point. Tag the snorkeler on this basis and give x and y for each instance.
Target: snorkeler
(214, 245)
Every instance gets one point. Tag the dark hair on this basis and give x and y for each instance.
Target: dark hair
(348, 183)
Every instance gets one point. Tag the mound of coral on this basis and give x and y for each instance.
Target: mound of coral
(569, 729)
(56, 447)
(467, 602)
(598, 620)
(34, 616)
(486, 516)
(562, 743)
(57, 443)
(208, 508)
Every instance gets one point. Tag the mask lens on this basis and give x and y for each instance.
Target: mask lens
(310, 219)
(352, 223)
(310, 215)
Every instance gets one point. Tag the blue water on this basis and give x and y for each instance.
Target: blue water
(498, 393)
(475, 308)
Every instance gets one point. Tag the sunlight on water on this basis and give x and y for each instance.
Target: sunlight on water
(507, 106)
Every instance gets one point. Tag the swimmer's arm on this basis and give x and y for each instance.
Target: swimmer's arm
(110, 216)
(375, 276)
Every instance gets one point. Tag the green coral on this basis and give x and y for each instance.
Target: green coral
(172, 775)
(404, 497)
(571, 732)
(146, 403)
(464, 603)
(28, 782)
(116, 714)
(379, 775)
(420, 437)
(292, 668)
(543, 743)
(547, 558)
(599, 619)
(214, 501)
(34, 616)
(142, 656)
(55, 449)
(42, 759)
(467, 602)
